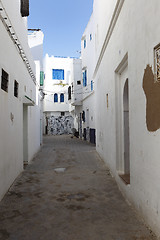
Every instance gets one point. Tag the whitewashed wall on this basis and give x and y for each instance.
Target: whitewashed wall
(88, 63)
(11, 120)
(128, 49)
(35, 41)
(52, 86)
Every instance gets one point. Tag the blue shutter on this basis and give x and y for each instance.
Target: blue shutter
(62, 97)
(58, 74)
(85, 78)
(84, 43)
(91, 85)
(55, 97)
(41, 78)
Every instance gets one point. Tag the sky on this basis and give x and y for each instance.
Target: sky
(62, 22)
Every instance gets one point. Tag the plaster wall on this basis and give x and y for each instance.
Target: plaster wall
(20, 26)
(128, 58)
(90, 106)
(88, 94)
(56, 86)
(35, 41)
(77, 82)
(11, 107)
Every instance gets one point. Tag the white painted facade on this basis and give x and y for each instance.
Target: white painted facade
(35, 41)
(20, 138)
(71, 68)
(88, 90)
(126, 34)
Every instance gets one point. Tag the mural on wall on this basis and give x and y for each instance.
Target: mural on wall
(152, 92)
(60, 125)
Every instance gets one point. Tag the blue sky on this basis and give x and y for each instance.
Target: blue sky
(63, 23)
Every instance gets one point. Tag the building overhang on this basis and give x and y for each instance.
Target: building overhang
(76, 103)
(28, 101)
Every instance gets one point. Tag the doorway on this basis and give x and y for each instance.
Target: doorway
(126, 131)
(122, 121)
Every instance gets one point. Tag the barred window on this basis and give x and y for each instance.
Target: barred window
(4, 81)
(25, 8)
(157, 62)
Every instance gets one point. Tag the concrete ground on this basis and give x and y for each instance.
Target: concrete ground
(80, 202)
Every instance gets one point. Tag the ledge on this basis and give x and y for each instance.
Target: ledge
(125, 178)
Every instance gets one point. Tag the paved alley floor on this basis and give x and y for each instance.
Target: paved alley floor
(67, 193)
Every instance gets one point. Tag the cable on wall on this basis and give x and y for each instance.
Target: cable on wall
(8, 25)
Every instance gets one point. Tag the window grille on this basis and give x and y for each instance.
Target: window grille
(157, 63)
(4, 81)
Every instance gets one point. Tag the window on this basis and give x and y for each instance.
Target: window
(62, 97)
(55, 97)
(62, 114)
(58, 74)
(91, 85)
(4, 81)
(85, 43)
(157, 62)
(83, 116)
(85, 78)
(25, 8)
(69, 93)
(16, 85)
(90, 37)
(78, 82)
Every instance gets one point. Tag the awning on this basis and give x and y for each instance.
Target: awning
(27, 101)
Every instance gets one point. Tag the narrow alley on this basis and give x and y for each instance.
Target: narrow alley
(67, 193)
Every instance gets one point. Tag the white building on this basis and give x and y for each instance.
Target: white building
(126, 81)
(60, 73)
(88, 117)
(20, 138)
(35, 41)
(83, 97)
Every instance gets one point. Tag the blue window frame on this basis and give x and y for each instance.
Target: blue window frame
(85, 78)
(58, 74)
(84, 43)
(91, 85)
(62, 97)
(55, 97)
